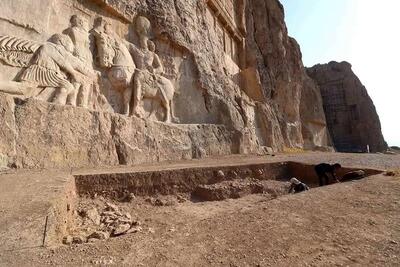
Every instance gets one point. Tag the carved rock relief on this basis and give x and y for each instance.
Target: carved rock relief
(93, 68)
(222, 27)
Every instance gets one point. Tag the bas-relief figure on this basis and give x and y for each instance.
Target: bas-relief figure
(79, 34)
(134, 71)
(148, 81)
(113, 56)
(53, 65)
(65, 71)
(50, 65)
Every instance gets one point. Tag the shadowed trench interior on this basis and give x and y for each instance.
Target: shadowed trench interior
(187, 181)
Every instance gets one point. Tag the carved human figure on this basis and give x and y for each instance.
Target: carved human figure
(113, 55)
(104, 44)
(79, 35)
(49, 65)
(148, 79)
(53, 65)
(147, 75)
(143, 28)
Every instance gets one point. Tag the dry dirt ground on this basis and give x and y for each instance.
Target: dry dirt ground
(354, 223)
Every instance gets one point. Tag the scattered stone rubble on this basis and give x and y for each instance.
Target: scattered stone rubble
(110, 222)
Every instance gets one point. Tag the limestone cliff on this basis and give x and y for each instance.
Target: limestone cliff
(205, 78)
(275, 59)
(351, 115)
(263, 97)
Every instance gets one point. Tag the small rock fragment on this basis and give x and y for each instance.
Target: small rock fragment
(220, 174)
(259, 172)
(111, 207)
(233, 175)
(121, 229)
(99, 235)
(79, 239)
(181, 199)
(136, 223)
(67, 240)
(128, 215)
(150, 200)
(131, 197)
(109, 214)
(160, 202)
(134, 229)
(125, 220)
(93, 215)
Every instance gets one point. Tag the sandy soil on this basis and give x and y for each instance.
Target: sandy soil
(354, 223)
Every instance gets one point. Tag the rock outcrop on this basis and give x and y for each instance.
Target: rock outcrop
(41, 135)
(351, 115)
(284, 88)
(149, 80)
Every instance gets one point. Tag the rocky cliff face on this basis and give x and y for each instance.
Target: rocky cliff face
(264, 97)
(275, 59)
(351, 115)
(226, 69)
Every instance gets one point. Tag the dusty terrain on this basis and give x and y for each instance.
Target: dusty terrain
(353, 223)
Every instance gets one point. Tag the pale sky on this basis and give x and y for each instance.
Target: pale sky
(365, 33)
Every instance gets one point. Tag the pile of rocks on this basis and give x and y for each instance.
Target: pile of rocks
(111, 222)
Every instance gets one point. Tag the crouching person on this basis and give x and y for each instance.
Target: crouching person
(324, 170)
(296, 186)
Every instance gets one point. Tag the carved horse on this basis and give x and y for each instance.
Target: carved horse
(115, 55)
(158, 89)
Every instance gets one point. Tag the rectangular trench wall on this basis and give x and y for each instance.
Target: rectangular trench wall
(174, 181)
(61, 216)
(169, 182)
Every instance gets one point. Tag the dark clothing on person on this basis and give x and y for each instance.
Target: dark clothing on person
(322, 171)
(297, 188)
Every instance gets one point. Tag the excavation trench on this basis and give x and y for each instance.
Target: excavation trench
(112, 204)
(215, 183)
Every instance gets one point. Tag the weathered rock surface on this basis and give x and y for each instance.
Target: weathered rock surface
(286, 90)
(41, 135)
(351, 115)
(235, 78)
(99, 235)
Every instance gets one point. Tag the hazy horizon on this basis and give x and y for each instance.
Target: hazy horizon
(362, 32)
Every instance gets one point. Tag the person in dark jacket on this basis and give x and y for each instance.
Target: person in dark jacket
(296, 186)
(324, 169)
